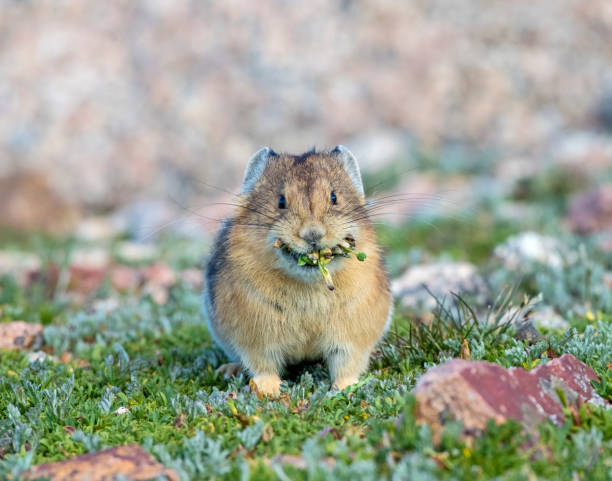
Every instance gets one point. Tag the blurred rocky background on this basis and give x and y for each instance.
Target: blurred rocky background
(151, 109)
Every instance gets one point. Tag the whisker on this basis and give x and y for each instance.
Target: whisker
(164, 226)
(220, 189)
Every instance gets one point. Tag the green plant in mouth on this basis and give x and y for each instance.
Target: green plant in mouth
(324, 256)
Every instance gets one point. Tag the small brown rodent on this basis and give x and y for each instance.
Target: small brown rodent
(263, 309)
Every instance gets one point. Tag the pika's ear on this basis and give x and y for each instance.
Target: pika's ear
(350, 165)
(255, 167)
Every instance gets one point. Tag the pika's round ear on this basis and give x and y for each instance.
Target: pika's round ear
(255, 167)
(351, 166)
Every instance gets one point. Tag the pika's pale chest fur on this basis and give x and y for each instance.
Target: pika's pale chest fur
(265, 310)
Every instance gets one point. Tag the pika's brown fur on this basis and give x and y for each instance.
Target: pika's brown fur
(264, 310)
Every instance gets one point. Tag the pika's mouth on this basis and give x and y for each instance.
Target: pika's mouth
(295, 257)
(320, 258)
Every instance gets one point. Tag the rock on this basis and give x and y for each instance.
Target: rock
(39, 356)
(441, 280)
(475, 391)
(158, 279)
(159, 274)
(85, 280)
(528, 247)
(159, 294)
(20, 335)
(98, 229)
(136, 252)
(106, 305)
(131, 462)
(68, 358)
(591, 212)
(125, 278)
(155, 279)
(90, 258)
(88, 270)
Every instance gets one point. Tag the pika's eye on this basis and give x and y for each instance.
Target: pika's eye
(334, 199)
(282, 202)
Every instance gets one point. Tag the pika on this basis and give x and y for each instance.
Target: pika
(265, 310)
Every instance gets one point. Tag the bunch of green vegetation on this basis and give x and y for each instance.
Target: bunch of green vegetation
(324, 256)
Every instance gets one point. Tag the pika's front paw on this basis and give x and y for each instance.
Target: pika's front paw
(230, 369)
(344, 382)
(265, 385)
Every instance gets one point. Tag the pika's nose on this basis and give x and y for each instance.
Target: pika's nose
(312, 233)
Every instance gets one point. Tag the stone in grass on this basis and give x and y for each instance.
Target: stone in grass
(130, 462)
(85, 280)
(20, 335)
(413, 288)
(136, 252)
(528, 247)
(475, 391)
(125, 278)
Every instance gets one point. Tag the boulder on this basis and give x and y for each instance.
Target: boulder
(20, 335)
(129, 462)
(475, 391)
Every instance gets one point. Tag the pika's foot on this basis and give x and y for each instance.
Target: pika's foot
(230, 369)
(345, 382)
(265, 385)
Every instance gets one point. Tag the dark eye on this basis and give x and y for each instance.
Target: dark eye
(282, 202)
(334, 199)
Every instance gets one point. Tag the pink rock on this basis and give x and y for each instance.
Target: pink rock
(130, 461)
(124, 278)
(159, 274)
(159, 294)
(86, 280)
(20, 335)
(475, 391)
